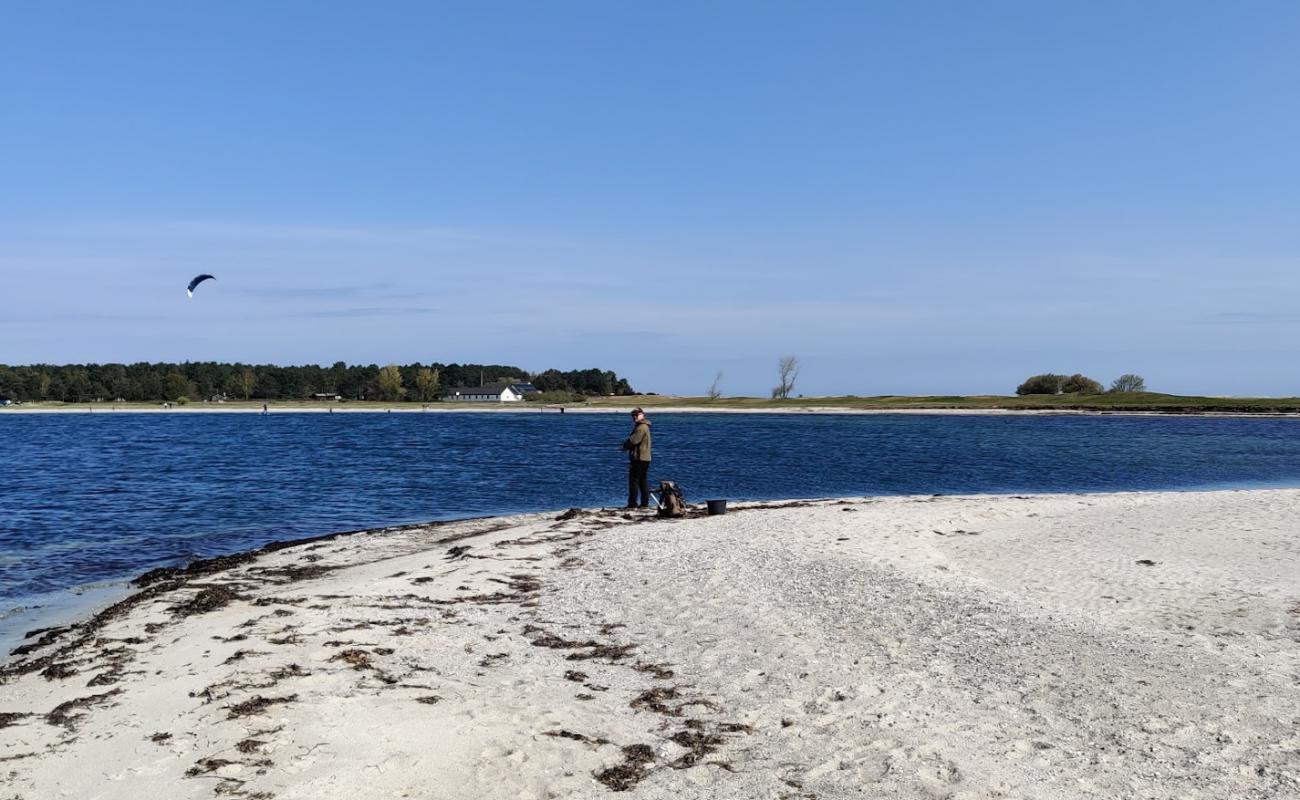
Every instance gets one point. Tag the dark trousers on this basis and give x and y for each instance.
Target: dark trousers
(638, 479)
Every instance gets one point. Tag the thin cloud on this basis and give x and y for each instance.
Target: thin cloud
(75, 316)
(335, 313)
(1253, 318)
(423, 236)
(329, 292)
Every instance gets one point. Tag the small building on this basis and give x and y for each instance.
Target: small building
(327, 396)
(489, 393)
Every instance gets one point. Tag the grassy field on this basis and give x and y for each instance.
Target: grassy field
(1134, 402)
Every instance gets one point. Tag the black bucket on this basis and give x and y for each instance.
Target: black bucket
(716, 507)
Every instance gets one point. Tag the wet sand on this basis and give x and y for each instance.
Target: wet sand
(1122, 645)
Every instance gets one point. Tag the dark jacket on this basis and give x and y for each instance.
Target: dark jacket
(638, 444)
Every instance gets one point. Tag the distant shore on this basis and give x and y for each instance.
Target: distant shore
(622, 406)
(1126, 644)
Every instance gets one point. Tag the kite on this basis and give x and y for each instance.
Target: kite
(197, 280)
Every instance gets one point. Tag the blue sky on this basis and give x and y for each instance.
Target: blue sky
(911, 197)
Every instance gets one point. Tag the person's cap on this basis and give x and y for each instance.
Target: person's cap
(636, 411)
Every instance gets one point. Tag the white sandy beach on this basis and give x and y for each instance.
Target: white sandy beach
(1107, 646)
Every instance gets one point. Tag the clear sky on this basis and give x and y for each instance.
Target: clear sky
(911, 197)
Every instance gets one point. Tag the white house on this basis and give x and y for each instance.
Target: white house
(491, 393)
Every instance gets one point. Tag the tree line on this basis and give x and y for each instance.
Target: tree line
(1051, 383)
(204, 380)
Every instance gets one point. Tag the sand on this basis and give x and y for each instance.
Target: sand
(1123, 645)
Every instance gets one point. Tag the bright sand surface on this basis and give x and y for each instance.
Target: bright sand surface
(1109, 646)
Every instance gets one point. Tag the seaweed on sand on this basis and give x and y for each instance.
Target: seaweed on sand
(67, 714)
(577, 737)
(660, 671)
(573, 513)
(82, 633)
(205, 766)
(524, 589)
(58, 671)
(656, 700)
(357, 658)
(361, 660)
(208, 599)
(257, 705)
(8, 718)
(240, 655)
(698, 745)
(202, 566)
(279, 601)
(609, 652)
(632, 771)
(46, 636)
(589, 649)
(294, 573)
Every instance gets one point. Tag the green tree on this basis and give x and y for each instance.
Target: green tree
(1081, 384)
(1047, 383)
(247, 383)
(233, 386)
(175, 386)
(389, 383)
(426, 384)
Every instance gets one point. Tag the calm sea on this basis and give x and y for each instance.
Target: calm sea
(97, 497)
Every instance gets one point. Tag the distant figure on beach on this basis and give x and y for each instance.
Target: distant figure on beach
(637, 446)
(264, 409)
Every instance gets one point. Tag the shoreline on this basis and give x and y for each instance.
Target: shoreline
(624, 409)
(1031, 645)
(79, 604)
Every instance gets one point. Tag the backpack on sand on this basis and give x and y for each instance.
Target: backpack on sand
(671, 503)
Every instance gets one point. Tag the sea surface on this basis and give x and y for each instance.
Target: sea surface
(100, 497)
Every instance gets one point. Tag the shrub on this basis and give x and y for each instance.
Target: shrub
(1081, 384)
(1129, 383)
(1051, 383)
(1042, 384)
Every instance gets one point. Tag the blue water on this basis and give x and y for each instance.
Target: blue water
(93, 497)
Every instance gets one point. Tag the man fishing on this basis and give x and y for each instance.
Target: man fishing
(637, 446)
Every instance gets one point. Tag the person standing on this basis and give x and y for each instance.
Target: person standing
(637, 446)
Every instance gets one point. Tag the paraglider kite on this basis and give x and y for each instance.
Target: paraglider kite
(197, 280)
